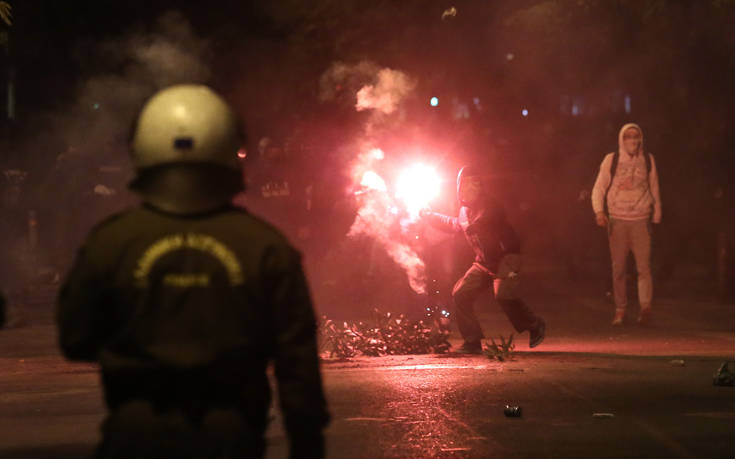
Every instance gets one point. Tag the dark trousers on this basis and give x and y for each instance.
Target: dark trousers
(138, 430)
(505, 284)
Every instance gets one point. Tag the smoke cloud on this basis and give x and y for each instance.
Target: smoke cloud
(94, 127)
(379, 218)
(342, 81)
(106, 103)
(366, 86)
(385, 96)
(379, 92)
(82, 154)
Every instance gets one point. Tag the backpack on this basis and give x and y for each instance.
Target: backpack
(613, 169)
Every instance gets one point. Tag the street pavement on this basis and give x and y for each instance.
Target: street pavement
(589, 390)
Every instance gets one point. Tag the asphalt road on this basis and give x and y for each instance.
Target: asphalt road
(587, 391)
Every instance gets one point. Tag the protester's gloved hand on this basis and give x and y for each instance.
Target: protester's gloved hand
(601, 219)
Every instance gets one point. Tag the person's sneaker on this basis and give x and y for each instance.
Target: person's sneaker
(619, 318)
(644, 318)
(474, 347)
(537, 333)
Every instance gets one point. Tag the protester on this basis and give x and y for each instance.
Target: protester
(626, 201)
(497, 260)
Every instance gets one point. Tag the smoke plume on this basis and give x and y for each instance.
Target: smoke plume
(379, 92)
(82, 153)
(379, 218)
(170, 53)
(385, 96)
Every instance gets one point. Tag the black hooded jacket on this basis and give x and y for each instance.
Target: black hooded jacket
(485, 227)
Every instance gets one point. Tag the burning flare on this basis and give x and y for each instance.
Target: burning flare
(372, 181)
(417, 186)
(378, 218)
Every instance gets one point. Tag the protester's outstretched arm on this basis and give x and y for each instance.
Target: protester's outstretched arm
(440, 221)
(296, 354)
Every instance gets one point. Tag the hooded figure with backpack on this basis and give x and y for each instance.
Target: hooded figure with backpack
(626, 201)
(497, 248)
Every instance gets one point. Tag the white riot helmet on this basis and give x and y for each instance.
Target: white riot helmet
(184, 148)
(186, 124)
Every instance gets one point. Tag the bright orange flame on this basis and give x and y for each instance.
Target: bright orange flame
(417, 186)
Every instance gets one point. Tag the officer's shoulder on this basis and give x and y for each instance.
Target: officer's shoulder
(259, 227)
(271, 242)
(112, 221)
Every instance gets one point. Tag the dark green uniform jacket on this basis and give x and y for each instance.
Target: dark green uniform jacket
(186, 311)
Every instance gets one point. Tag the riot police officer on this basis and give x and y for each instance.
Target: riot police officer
(185, 300)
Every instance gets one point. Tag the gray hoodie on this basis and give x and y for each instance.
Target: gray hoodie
(632, 195)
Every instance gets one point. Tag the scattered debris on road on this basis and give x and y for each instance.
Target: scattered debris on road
(388, 334)
(513, 411)
(449, 13)
(502, 351)
(724, 377)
